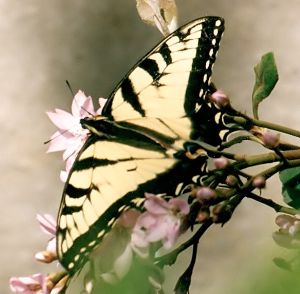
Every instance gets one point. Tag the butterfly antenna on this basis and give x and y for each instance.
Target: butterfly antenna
(60, 134)
(73, 95)
(70, 88)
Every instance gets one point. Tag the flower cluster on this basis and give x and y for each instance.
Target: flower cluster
(70, 136)
(40, 283)
(128, 251)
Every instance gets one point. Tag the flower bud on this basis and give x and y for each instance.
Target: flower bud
(202, 216)
(221, 213)
(219, 98)
(205, 194)
(45, 256)
(221, 162)
(270, 139)
(259, 182)
(231, 180)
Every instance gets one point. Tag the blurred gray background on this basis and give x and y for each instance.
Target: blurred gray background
(92, 44)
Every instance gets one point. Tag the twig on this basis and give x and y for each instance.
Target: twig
(265, 124)
(170, 258)
(269, 202)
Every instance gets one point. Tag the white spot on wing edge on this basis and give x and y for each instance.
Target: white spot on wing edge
(218, 23)
(216, 31)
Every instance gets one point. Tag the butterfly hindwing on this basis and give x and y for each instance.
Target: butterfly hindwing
(131, 146)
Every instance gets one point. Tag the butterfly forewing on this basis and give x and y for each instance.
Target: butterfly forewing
(147, 118)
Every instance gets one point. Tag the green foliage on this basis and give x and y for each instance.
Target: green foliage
(282, 263)
(290, 179)
(266, 78)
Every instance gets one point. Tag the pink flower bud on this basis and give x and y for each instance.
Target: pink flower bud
(270, 139)
(219, 98)
(205, 194)
(221, 162)
(259, 182)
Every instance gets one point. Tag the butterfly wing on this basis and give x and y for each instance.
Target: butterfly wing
(148, 118)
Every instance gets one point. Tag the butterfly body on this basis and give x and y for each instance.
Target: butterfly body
(131, 147)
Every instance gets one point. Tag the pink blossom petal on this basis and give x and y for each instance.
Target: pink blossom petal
(82, 106)
(181, 204)
(138, 238)
(47, 224)
(70, 153)
(102, 102)
(62, 119)
(51, 247)
(159, 231)
(172, 234)
(63, 176)
(155, 204)
(35, 284)
(146, 220)
(58, 142)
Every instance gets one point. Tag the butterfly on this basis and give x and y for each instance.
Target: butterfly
(132, 148)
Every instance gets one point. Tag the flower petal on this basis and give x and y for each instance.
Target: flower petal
(35, 284)
(181, 204)
(47, 223)
(155, 204)
(63, 176)
(82, 105)
(58, 142)
(102, 102)
(62, 119)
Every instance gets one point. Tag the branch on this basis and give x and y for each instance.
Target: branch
(269, 202)
(170, 258)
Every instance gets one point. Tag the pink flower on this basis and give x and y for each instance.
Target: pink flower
(35, 284)
(161, 222)
(48, 226)
(70, 136)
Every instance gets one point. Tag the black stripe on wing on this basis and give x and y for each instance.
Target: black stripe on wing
(130, 96)
(150, 66)
(199, 79)
(165, 52)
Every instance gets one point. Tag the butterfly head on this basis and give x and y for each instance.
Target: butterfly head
(93, 124)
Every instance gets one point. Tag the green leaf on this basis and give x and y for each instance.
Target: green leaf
(290, 179)
(266, 77)
(282, 263)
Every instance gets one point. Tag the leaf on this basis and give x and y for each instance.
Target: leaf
(282, 263)
(266, 78)
(290, 179)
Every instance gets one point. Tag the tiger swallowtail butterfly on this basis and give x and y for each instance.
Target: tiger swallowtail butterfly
(130, 150)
